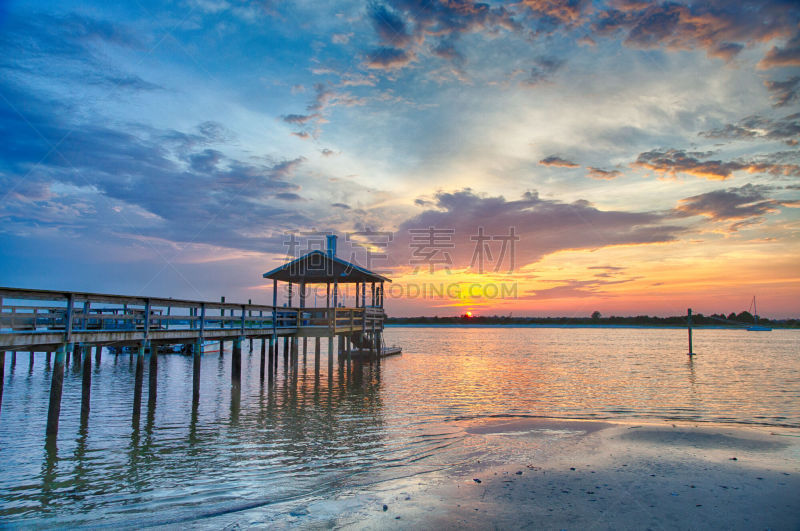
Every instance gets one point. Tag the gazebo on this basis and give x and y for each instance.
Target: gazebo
(360, 325)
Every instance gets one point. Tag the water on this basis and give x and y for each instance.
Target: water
(263, 455)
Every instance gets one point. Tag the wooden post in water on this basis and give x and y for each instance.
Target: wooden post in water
(197, 356)
(86, 384)
(263, 357)
(137, 386)
(2, 375)
(46, 359)
(689, 323)
(272, 357)
(221, 348)
(236, 362)
(330, 356)
(196, 360)
(97, 355)
(152, 377)
(316, 353)
(56, 388)
(286, 350)
(30, 362)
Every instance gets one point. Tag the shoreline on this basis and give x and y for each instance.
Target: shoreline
(533, 325)
(587, 474)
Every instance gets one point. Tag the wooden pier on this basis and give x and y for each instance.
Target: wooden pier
(73, 324)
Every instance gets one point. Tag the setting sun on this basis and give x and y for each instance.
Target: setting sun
(469, 314)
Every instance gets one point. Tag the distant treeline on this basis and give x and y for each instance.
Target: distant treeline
(742, 319)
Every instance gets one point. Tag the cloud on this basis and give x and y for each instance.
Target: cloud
(404, 28)
(786, 129)
(784, 92)
(721, 28)
(543, 226)
(733, 204)
(289, 196)
(673, 161)
(568, 12)
(327, 152)
(343, 206)
(168, 184)
(544, 70)
(299, 119)
(387, 58)
(391, 29)
(555, 160)
(597, 173)
(205, 161)
(573, 288)
(325, 97)
(788, 55)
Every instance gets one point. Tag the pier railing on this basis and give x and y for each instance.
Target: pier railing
(30, 318)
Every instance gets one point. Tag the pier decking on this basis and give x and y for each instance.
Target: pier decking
(73, 323)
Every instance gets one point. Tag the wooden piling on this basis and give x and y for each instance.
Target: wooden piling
(316, 353)
(30, 362)
(236, 362)
(251, 344)
(196, 357)
(305, 349)
(56, 388)
(98, 355)
(77, 358)
(137, 387)
(263, 357)
(221, 348)
(689, 327)
(272, 357)
(330, 356)
(86, 384)
(286, 350)
(2, 375)
(152, 378)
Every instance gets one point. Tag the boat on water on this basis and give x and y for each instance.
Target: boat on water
(757, 327)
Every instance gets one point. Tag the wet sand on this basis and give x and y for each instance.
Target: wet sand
(561, 474)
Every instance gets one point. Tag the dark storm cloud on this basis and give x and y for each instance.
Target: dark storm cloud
(674, 161)
(784, 92)
(786, 129)
(731, 204)
(555, 160)
(544, 226)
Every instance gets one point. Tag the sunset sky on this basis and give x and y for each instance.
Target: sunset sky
(645, 155)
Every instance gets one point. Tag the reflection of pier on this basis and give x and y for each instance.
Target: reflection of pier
(72, 324)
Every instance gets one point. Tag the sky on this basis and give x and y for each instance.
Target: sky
(537, 157)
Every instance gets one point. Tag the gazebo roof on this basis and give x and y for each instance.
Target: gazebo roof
(318, 267)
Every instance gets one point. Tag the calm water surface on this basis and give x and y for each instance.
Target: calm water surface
(259, 456)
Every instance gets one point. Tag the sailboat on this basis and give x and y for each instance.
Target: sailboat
(757, 327)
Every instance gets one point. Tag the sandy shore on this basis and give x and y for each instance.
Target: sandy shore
(560, 474)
